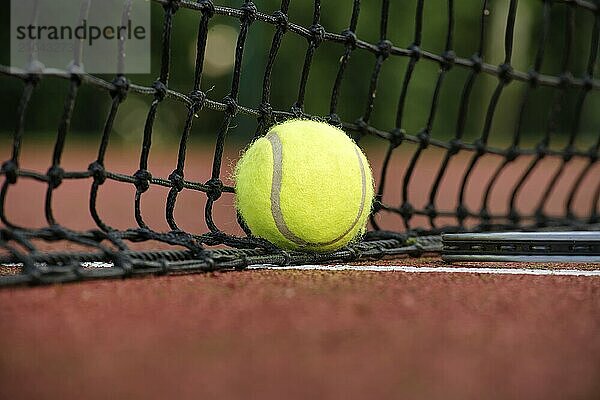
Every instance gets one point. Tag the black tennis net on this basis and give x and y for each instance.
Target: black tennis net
(104, 251)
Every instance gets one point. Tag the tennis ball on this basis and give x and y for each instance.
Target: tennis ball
(305, 185)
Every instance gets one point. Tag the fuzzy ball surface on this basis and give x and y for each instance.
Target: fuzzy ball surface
(305, 185)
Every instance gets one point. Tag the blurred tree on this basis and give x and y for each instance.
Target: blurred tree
(92, 105)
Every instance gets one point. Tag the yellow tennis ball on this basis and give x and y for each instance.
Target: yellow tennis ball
(305, 185)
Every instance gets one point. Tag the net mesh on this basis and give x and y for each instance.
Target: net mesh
(106, 251)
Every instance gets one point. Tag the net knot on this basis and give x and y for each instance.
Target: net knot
(593, 155)
(55, 176)
(484, 214)
(142, 180)
(505, 73)
(286, 258)
(480, 147)
(461, 212)
(349, 38)
(542, 150)
(250, 10)
(58, 232)
(407, 210)
(477, 63)
(281, 20)
(377, 204)
(568, 153)
(143, 234)
(565, 80)
(424, 139)
(198, 98)
(514, 216)
(362, 126)
(171, 5)
(317, 34)
(385, 48)
(98, 172)
(35, 67)
(97, 235)
(334, 119)
(397, 137)
(163, 266)
(266, 113)
(455, 146)
(448, 59)
(210, 263)
(34, 75)
(512, 154)
(214, 188)
(176, 179)
(415, 52)
(160, 90)
(540, 218)
(121, 88)
(231, 106)
(534, 78)
(297, 110)
(207, 8)
(11, 170)
(588, 83)
(431, 211)
(76, 72)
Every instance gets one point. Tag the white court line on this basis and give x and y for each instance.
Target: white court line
(402, 268)
(450, 270)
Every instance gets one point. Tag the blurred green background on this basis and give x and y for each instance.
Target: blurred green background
(92, 104)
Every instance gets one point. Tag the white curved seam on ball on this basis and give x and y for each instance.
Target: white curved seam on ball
(277, 149)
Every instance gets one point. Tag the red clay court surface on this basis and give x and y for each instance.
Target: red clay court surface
(284, 334)
(268, 334)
